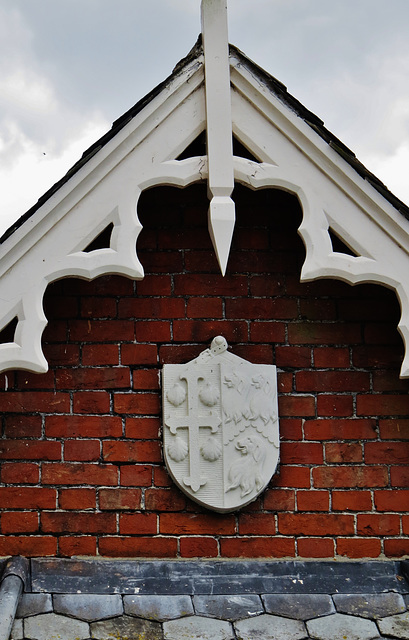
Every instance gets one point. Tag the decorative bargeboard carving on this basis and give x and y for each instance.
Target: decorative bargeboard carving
(221, 435)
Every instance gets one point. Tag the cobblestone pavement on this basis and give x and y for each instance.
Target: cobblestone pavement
(342, 616)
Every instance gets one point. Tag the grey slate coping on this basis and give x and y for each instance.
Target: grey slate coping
(127, 628)
(303, 606)
(369, 605)
(33, 603)
(340, 627)
(267, 627)
(50, 626)
(88, 607)
(159, 608)
(198, 628)
(214, 577)
(230, 607)
(395, 626)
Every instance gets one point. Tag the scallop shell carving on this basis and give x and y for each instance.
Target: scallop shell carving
(176, 395)
(177, 449)
(209, 394)
(211, 450)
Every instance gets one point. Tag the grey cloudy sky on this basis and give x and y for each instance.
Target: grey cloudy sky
(68, 68)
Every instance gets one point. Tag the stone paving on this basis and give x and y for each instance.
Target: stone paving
(299, 616)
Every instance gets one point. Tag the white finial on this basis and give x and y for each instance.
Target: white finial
(219, 127)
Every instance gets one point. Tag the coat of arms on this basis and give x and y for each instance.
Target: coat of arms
(221, 437)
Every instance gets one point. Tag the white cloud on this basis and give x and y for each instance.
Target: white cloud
(393, 171)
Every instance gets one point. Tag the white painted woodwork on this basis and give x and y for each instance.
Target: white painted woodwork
(220, 180)
(50, 244)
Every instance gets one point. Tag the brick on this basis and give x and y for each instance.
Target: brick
(155, 285)
(400, 477)
(323, 333)
(20, 473)
(257, 547)
(396, 429)
(69, 522)
(77, 545)
(318, 309)
(139, 354)
(374, 524)
(386, 452)
(186, 523)
(201, 284)
(29, 450)
(179, 354)
(268, 332)
(392, 500)
(82, 450)
(261, 308)
(353, 476)
(358, 547)
(377, 357)
(315, 547)
(315, 524)
(331, 357)
(335, 406)
(290, 406)
(62, 354)
(343, 453)
(42, 402)
(164, 500)
(396, 548)
(205, 330)
(337, 381)
(118, 547)
(262, 286)
(26, 380)
(136, 475)
(279, 500)
(351, 500)
(91, 402)
(98, 307)
(93, 378)
(198, 547)
(204, 307)
(147, 379)
(100, 354)
(161, 477)
(356, 429)
(77, 499)
(101, 330)
(297, 357)
(72, 473)
(257, 524)
(19, 522)
(151, 308)
(118, 499)
(291, 428)
(27, 498)
(55, 331)
(256, 353)
(285, 382)
(83, 426)
(382, 405)
(297, 477)
(138, 523)
(312, 500)
(153, 331)
(28, 546)
(142, 428)
(137, 403)
(141, 451)
(21, 426)
(301, 453)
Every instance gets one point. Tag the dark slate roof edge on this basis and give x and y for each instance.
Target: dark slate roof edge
(279, 89)
(317, 125)
(117, 125)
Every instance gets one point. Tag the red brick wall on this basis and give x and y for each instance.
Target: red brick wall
(82, 469)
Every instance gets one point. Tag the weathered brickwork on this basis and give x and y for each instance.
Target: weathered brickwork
(82, 469)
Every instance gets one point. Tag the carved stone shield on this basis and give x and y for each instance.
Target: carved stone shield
(220, 431)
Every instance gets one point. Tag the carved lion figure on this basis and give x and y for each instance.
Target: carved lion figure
(245, 472)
